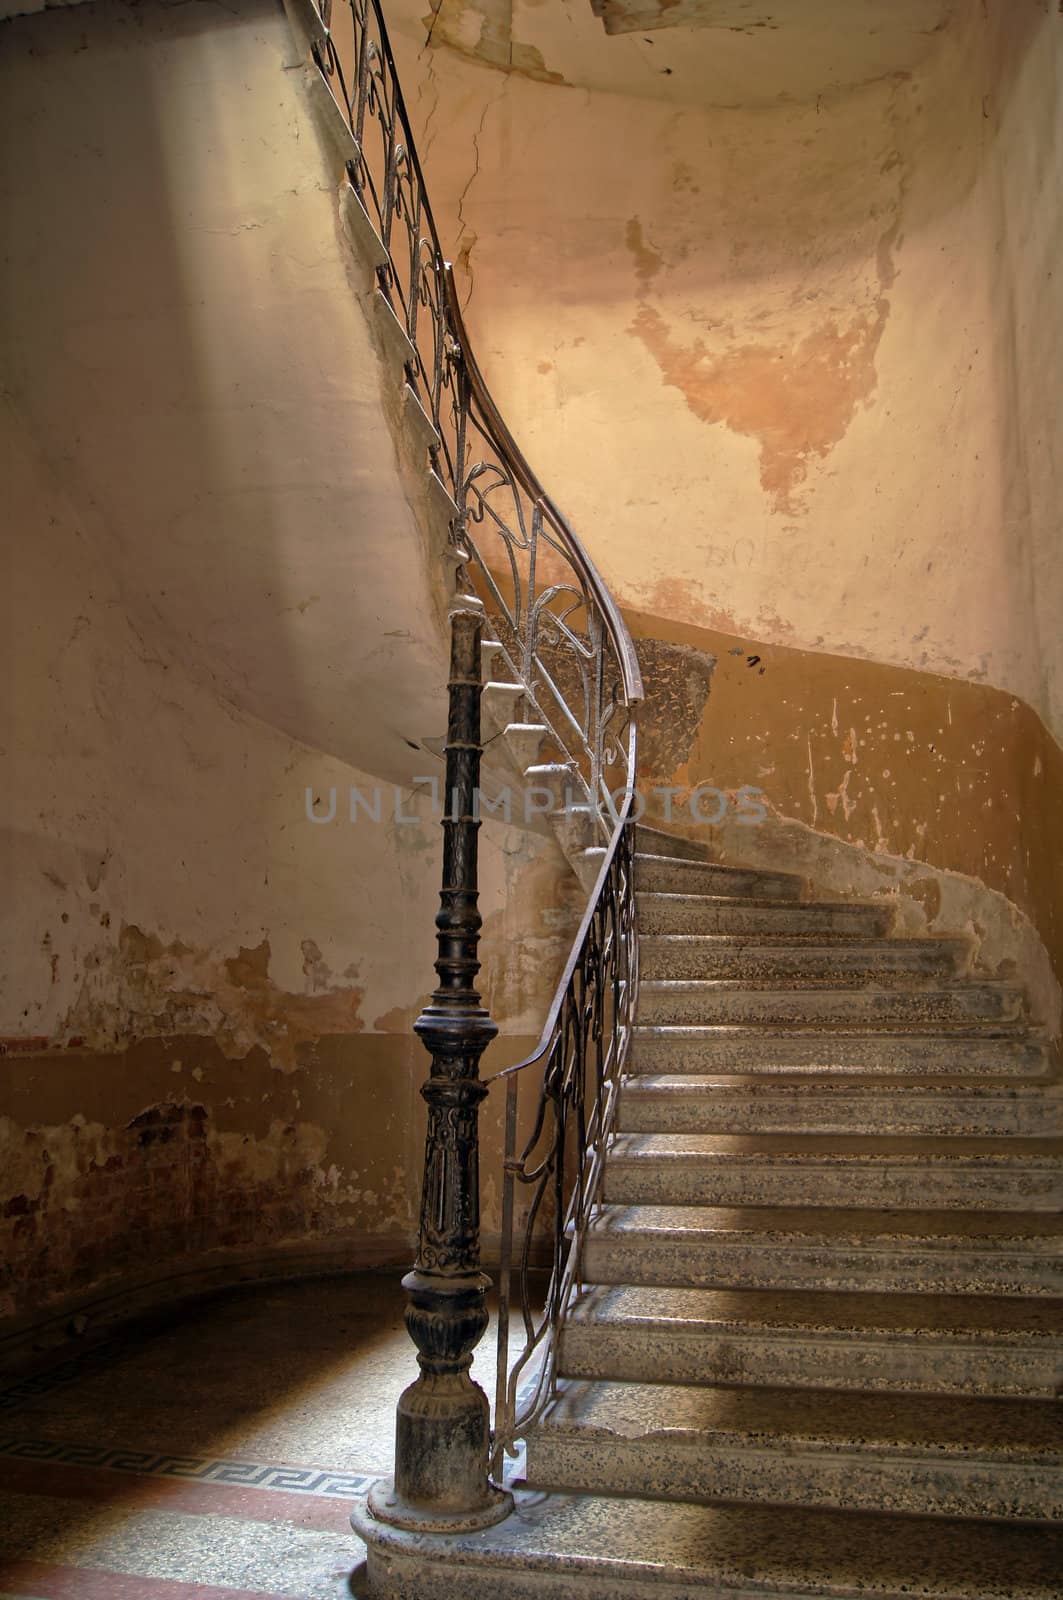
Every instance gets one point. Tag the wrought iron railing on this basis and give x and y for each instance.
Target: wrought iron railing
(558, 1159)
(563, 642)
(559, 630)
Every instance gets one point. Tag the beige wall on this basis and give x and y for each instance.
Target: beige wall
(789, 365)
(786, 367)
(215, 599)
(206, 998)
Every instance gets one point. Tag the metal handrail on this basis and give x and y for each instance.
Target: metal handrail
(548, 1152)
(568, 649)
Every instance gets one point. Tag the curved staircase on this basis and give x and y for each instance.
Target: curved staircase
(817, 1350)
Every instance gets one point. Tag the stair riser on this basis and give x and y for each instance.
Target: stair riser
(672, 1112)
(659, 1353)
(696, 877)
(740, 1053)
(855, 1007)
(418, 1577)
(651, 843)
(703, 1470)
(720, 1264)
(704, 1182)
(891, 962)
(701, 916)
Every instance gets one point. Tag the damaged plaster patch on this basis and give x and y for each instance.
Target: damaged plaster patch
(676, 678)
(483, 31)
(797, 400)
(144, 988)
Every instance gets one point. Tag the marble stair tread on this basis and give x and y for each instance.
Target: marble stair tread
(1003, 1172)
(939, 1230)
(1004, 1319)
(656, 841)
(858, 1085)
(902, 1343)
(937, 1455)
(896, 1424)
(945, 1106)
(792, 1048)
(708, 1000)
(558, 1546)
(969, 1034)
(913, 1151)
(977, 1252)
(762, 912)
(840, 957)
(683, 874)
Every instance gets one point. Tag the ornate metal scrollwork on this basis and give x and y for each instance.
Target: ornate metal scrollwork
(562, 638)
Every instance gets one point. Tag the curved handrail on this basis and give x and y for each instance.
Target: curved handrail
(559, 631)
(583, 1054)
(572, 658)
(618, 629)
(564, 982)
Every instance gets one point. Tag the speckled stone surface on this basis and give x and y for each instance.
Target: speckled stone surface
(933, 1344)
(662, 873)
(557, 1547)
(936, 1455)
(767, 1247)
(715, 1000)
(816, 1170)
(221, 1445)
(996, 1048)
(672, 913)
(773, 956)
(269, 1558)
(689, 1103)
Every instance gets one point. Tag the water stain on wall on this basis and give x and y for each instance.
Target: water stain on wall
(144, 987)
(797, 400)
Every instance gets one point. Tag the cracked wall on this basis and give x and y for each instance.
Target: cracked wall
(785, 352)
(940, 796)
(786, 362)
(211, 957)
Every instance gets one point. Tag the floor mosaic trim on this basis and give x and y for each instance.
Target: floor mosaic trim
(245, 1474)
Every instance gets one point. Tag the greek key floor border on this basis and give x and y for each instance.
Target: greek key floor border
(196, 1469)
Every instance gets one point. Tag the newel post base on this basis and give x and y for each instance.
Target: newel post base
(442, 1425)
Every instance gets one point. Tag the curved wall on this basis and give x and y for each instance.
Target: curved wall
(788, 365)
(216, 600)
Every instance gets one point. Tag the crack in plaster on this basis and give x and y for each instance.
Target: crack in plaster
(464, 255)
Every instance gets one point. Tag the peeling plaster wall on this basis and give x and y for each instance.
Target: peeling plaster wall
(206, 993)
(940, 796)
(789, 364)
(206, 997)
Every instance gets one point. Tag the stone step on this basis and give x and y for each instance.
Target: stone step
(764, 959)
(574, 1547)
(687, 1103)
(992, 1050)
(841, 1250)
(941, 1455)
(928, 1343)
(716, 1169)
(656, 842)
(721, 913)
(702, 1001)
(673, 873)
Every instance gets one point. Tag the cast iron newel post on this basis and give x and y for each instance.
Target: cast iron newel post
(442, 1429)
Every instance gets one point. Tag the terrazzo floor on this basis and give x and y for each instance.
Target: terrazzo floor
(212, 1456)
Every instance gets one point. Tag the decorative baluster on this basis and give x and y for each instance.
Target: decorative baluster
(442, 1428)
